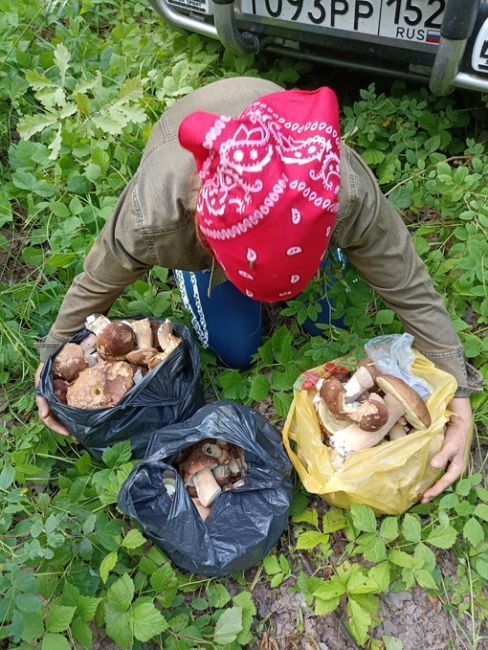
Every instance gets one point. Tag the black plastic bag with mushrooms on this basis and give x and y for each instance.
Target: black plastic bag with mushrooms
(213, 492)
(122, 380)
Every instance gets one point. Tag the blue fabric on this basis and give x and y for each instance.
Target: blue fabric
(229, 323)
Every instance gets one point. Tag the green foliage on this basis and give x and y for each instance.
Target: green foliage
(79, 92)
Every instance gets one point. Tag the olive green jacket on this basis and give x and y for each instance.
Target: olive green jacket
(153, 224)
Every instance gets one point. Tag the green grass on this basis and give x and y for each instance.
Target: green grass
(80, 89)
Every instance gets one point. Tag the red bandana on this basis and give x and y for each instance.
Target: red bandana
(269, 188)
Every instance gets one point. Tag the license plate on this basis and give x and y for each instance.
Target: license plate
(411, 20)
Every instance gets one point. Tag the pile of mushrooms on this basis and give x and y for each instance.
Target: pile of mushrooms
(359, 411)
(99, 371)
(209, 468)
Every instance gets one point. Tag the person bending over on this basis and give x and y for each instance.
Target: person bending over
(276, 188)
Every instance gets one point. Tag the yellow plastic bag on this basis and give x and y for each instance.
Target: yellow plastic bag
(390, 477)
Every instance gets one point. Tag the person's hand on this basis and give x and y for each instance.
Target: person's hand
(454, 454)
(44, 412)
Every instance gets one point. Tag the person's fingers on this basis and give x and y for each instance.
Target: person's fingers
(447, 453)
(453, 473)
(42, 407)
(55, 426)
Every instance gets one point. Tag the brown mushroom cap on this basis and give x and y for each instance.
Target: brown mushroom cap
(415, 408)
(195, 463)
(60, 389)
(140, 357)
(370, 415)
(115, 340)
(69, 362)
(103, 385)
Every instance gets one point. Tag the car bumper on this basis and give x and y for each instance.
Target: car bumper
(445, 66)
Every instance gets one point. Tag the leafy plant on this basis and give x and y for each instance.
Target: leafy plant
(81, 85)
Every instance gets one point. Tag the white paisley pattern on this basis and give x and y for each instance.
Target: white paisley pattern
(242, 160)
(198, 322)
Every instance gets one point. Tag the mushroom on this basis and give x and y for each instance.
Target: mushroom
(397, 431)
(143, 333)
(69, 362)
(221, 474)
(89, 343)
(154, 330)
(156, 360)
(198, 473)
(400, 400)
(101, 386)
(167, 340)
(202, 510)
(169, 483)
(369, 415)
(96, 323)
(141, 356)
(363, 379)
(234, 466)
(115, 340)
(404, 400)
(216, 451)
(60, 389)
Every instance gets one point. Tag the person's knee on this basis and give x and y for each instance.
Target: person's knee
(237, 354)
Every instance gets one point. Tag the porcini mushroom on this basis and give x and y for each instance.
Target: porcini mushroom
(69, 362)
(115, 340)
(363, 379)
(167, 340)
(140, 357)
(96, 323)
(60, 389)
(198, 473)
(143, 332)
(400, 400)
(104, 385)
(397, 431)
(89, 343)
(214, 449)
(369, 415)
(221, 474)
(404, 400)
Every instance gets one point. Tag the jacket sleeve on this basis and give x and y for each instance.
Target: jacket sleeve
(117, 258)
(376, 240)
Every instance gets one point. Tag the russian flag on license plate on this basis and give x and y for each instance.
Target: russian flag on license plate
(432, 37)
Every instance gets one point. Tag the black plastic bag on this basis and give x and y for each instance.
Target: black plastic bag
(244, 524)
(169, 393)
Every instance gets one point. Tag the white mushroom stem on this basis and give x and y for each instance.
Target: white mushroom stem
(166, 338)
(96, 323)
(352, 438)
(143, 332)
(360, 381)
(91, 359)
(206, 486)
(202, 510)
(89, 344)
(235, 466)
(397, 431)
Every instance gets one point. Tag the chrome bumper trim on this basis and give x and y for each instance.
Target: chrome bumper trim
(181, 20)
